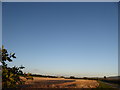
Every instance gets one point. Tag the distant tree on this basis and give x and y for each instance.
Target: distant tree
(105, 77)
(85, 78)
(72, 77)
(10, 75)
(62, 77)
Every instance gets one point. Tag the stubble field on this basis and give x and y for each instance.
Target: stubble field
(39, 82)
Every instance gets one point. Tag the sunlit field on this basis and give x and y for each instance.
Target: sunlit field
(39, 82)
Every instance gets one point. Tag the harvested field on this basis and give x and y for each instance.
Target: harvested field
(39, 82)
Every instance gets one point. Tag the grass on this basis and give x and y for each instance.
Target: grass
(103, 85)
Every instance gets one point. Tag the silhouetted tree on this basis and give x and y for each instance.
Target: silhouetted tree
(72, 77)
(105, 77)
(10, 75)
(85, 78)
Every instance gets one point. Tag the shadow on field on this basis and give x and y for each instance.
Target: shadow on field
(47, 84)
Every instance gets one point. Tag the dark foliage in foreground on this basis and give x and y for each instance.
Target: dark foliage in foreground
(10, 75)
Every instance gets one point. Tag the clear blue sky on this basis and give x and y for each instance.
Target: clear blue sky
(78, 39)
(0, 23)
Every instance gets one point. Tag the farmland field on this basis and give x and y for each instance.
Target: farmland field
(39, 82)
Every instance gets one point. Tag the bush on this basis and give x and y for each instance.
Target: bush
(10, 75)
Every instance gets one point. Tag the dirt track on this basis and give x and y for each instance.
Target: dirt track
(59, 83)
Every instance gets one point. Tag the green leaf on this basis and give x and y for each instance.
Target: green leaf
(13, 55)
(10, 60)
(2, 46)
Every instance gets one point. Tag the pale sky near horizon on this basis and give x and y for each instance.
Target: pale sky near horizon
(79, 39)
